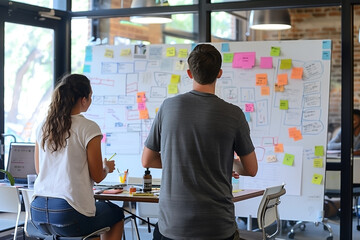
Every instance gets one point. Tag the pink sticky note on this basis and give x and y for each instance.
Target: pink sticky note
(249, 107)
(266, 62)
(103, 138)
(141, 106)
(244, 60)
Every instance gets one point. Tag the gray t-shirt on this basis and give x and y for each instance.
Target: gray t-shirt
(197, 134)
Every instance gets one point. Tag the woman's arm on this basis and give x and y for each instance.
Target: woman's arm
(94, 158)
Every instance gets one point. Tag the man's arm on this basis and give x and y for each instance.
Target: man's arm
(151, 159)
(246, 165)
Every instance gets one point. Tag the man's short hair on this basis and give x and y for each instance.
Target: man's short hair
(204, 63)
(356, 112)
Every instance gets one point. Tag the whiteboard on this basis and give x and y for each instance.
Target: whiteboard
(288, 122)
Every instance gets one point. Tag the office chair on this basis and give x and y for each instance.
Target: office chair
(10, 202)
(267, 214)
(32, 231)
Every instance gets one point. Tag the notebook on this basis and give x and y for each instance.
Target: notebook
(21, 161)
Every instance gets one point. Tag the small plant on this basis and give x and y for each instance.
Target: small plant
(9, 176)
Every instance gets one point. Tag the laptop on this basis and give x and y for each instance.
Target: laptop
(21, 161)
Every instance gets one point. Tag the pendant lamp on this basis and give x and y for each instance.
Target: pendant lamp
(278, 19)
(155, 19)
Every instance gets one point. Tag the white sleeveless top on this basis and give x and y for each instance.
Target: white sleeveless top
(65, 173)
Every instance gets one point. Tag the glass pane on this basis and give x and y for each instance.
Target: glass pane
(28, 79)
(223, 26)
(86, 5)
(55, 4)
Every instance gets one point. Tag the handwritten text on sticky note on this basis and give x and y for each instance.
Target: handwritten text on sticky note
(289, 159)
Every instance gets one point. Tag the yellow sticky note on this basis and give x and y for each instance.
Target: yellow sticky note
(172, 88)
(285, 63)
(175, 78)
(261, 79)
(284, 104)
(275, 51)
(282, 79)
(318, 162)
(125, 52)
(180, 65)
(109, 53)
(317, 179)
(288, 159)
(228, 57)
(297, 73)
(156, 110)
(279, 148)
(319, 151)
(265, 91)
(183, 53)
(170, 52)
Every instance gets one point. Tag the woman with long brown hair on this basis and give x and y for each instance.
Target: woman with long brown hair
(68, 161)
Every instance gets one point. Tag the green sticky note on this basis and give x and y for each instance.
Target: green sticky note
(285, 64)
(319, 151)
(316, 179)
(228, 57)
(275, 51)
(288, 159)
(284, 104)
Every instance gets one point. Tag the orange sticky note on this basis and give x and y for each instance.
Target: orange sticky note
(265, 91)
(279, 88)
(261, 79)
(297, 73)
(144, 114)
(140, 97)
(297, 135)
(279, 148)
(282, 79)
(292, 132)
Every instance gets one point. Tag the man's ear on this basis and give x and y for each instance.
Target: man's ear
(220, 73)
(189, 74)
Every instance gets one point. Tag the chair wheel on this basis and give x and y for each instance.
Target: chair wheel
(358, 227)
(291, 235)
(329, 238)
(302, 227)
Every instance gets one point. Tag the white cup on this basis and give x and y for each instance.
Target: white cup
(31, 180)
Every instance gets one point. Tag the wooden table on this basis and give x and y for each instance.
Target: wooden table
(125, 196)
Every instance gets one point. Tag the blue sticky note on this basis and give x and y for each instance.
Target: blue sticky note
(88, 54)
(326, 55)
(225, 47)
(326, 44)
(87, 68)
(247, 116)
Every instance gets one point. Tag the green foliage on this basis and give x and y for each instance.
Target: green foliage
(9, 176)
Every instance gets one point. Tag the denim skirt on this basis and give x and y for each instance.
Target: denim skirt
(66, 221)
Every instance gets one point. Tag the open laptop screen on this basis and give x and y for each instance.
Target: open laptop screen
(21, 161)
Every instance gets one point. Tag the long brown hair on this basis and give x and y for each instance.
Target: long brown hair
(56, 129)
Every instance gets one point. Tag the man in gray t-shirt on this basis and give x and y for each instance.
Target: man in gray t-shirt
(197, 134)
